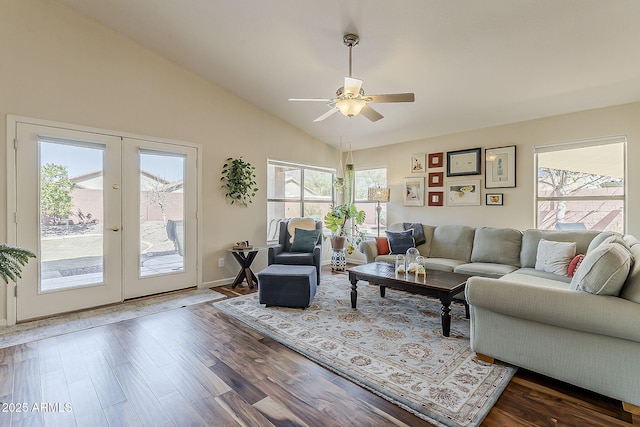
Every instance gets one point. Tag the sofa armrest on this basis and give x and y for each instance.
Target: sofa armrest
(369, 249)
(273, 251)
(564, 308)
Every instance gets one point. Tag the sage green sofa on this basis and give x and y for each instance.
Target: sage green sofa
(539, 320)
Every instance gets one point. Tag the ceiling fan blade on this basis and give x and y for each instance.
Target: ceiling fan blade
(371, 114)
(352, 85)
(311, 99)
(393, 97)
(327, 114)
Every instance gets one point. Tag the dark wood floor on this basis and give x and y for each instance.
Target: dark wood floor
(196, 366)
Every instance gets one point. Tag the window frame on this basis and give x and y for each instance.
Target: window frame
(548, 148)
(301, 199)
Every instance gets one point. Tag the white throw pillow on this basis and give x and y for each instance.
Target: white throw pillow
(554, 257)
(301, 223)
(603, 270)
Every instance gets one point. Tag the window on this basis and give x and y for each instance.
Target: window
(295, 190)
(365, 179)
(581, 185)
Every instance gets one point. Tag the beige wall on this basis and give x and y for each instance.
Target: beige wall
(518, 209)
(58, 65)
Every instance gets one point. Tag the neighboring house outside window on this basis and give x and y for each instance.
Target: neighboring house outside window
(296, 190)
(581, 185)
(365, 179)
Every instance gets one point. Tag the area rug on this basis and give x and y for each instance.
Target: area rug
(392, 346)
(73, 322)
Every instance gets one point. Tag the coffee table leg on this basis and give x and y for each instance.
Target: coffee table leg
(445, 316)
(354, 293)
(383, 291)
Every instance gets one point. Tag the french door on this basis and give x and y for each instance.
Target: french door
(108, 217)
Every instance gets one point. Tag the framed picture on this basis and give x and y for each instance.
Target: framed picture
(413, 194)
(436, 179)
(436, 198)
(494, 199)
(417, 164)
(463, 162)
(500, 167)
(463, 193)
(436, 160)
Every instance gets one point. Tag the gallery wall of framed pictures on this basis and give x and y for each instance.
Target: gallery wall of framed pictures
(451, 177)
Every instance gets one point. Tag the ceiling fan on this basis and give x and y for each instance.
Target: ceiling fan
(350, 99)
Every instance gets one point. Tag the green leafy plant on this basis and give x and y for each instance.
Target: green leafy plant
(239, 182)
(337, 220)
(12, 259)
(56, 187)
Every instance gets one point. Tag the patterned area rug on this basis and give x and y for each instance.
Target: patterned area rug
(72, 322)
(393, 346)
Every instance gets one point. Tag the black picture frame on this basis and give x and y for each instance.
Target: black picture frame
(464, 162)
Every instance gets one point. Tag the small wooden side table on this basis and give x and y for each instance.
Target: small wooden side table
(245, 258)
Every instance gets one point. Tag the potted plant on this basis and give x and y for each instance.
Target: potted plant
(238, 178)
(345, 232)
(12, 259)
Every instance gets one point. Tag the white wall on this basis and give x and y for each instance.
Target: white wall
(518, 210)
(58, 65)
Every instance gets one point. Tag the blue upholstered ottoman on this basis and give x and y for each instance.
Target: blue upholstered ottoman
(287, 285)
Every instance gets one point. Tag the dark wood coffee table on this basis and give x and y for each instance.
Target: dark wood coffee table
(441, 284)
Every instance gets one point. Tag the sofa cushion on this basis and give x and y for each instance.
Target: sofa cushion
(599, 239)
(631, 288)
(305, 240)
(484, 269)
(418, 232)
(452, 242)
(400, 241)
(531, 237)
(554, 257)
(497, 245)
(543, 274)
(441, 264)
(604, 270)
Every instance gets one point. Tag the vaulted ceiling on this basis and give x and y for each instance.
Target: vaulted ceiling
(470, 63)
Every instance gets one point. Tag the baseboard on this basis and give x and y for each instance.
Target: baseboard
(3, 322)
(217, 283)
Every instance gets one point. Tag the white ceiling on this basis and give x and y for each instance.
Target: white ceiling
(470, 63)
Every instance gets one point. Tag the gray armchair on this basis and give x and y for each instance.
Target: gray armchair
(281, 253)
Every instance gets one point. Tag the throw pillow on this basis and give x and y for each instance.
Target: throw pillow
(418, 232)
(574, 264)
(400, 241)
(383, 245)
(301, 223)
(554, 257)
(603, 271)
(304, 240)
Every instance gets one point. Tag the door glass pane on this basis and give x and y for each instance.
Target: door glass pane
(71, 214)
(161, 212)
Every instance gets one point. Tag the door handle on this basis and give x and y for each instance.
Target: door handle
(115, 228)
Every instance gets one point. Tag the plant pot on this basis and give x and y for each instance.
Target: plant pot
(337, 243)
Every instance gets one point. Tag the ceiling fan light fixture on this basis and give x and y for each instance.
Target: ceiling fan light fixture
(350, 106)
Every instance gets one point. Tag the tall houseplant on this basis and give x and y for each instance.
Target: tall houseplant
(12, 259)
(343, 222)
(239, 181)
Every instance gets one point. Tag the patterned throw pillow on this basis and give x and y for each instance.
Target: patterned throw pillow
(418, 232)
(574, 264)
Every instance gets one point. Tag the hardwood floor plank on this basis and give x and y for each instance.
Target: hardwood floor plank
(122, 415)
(86, 404)
(55, 400)
(182, 413)
(26, 387)
(237, 381)
(214, 413)
(104, 381)
(278, 413)
(149, 410)
(153, 375)
(245, 414)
